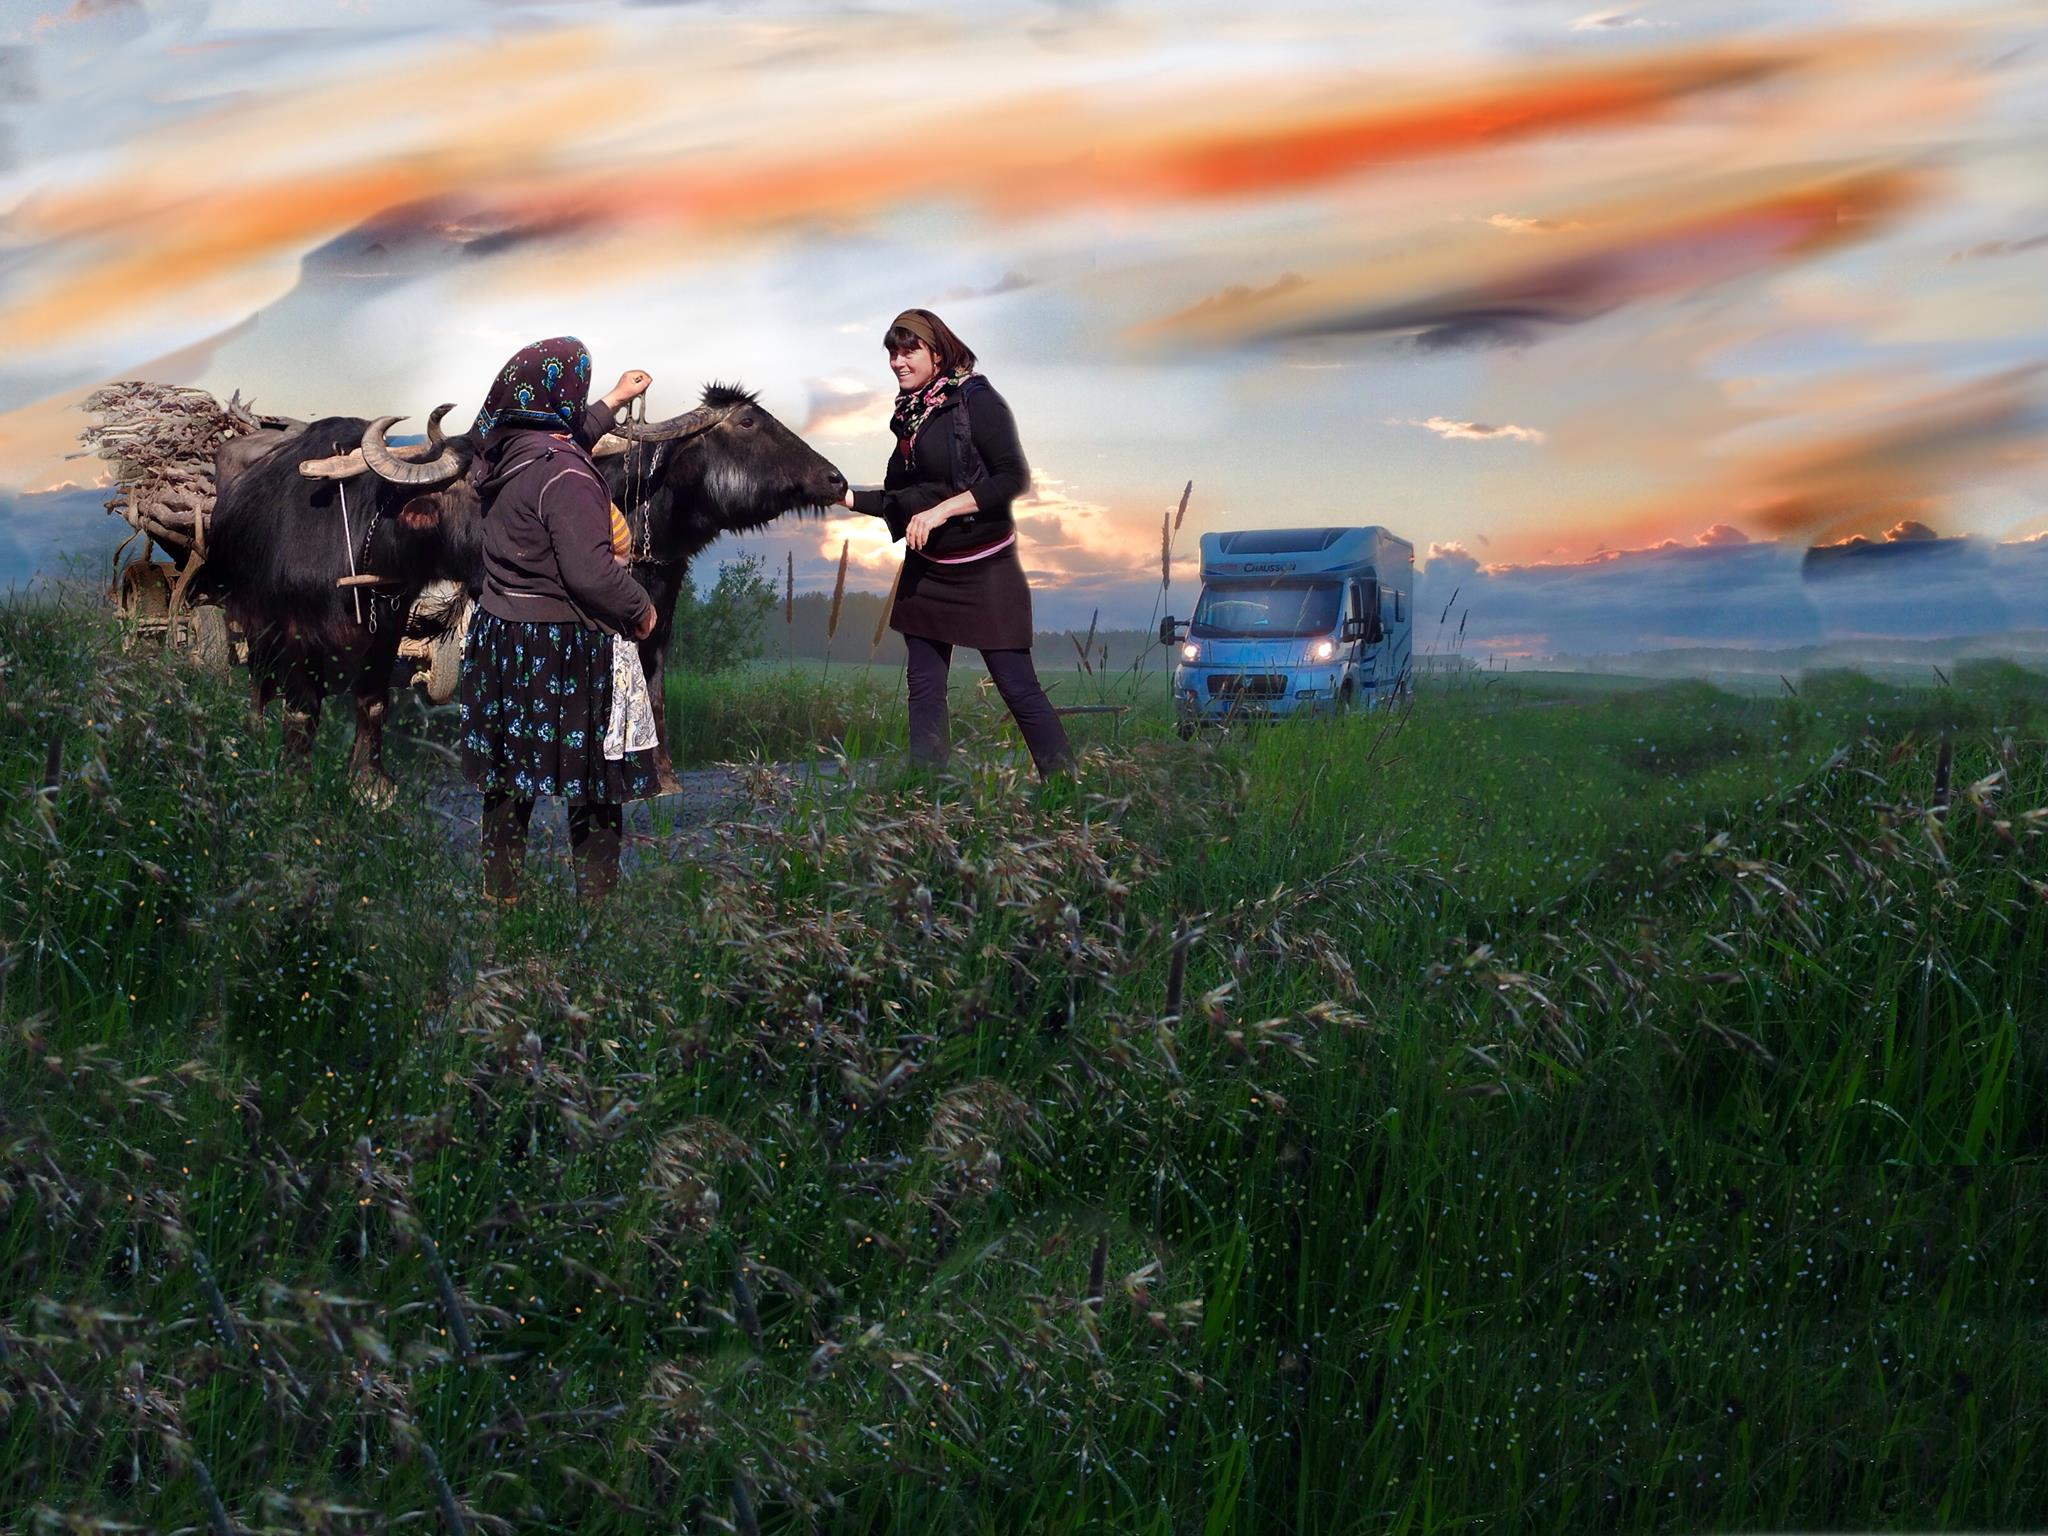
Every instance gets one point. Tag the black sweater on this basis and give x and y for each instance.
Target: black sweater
(932, 474)
(548, 531)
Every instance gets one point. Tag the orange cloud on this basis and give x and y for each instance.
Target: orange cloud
(230, 189)
(1326, 132)
(1039, 152)
(1719, 536)
(865, 538)
(1662, 240)
(1889, 476)
(221, 192)
(193, 243)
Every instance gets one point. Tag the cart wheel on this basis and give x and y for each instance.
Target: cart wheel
(444, 661)
(146, 590)
(209, 639)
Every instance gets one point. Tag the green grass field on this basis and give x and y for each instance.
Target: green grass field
(1553, 1109)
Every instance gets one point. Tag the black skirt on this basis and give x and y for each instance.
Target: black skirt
(535, 701)
(985, 604)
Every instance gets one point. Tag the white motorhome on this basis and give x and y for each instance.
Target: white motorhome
(1295, 621)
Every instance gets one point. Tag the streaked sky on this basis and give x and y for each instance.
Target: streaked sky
(1527, 281)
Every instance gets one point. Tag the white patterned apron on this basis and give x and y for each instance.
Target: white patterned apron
(631, 728)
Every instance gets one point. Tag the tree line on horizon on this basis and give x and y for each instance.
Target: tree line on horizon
(746, 615)
(798, 627)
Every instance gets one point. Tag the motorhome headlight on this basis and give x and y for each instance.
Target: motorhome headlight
(1322, 650)
(1190, 651)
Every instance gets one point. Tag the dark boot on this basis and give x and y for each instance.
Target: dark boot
(595, 833)
(504, 838)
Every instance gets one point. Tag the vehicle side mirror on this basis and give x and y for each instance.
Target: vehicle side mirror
(1169, 631)
(1354, 629)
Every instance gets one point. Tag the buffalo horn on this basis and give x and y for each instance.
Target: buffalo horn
(339, 467)
(444, 466)
(686, 425)
(344, 466)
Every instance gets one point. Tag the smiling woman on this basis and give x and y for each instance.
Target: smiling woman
(956, 471)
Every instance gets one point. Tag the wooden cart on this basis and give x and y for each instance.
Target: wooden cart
(159, 441)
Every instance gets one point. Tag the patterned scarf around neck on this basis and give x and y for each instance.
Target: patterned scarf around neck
(914, 405)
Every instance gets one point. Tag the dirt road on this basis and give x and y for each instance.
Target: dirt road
(680, 823)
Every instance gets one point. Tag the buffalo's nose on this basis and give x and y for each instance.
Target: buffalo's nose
(836, 481)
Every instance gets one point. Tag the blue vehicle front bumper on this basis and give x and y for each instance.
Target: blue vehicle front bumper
(1217, 694)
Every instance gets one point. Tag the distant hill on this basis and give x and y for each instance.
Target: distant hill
(57, 534)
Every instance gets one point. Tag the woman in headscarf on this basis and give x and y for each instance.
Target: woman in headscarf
(956, 470)
(553, 700)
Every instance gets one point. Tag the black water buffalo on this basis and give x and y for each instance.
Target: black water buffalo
(299, 509)
(277, 549)
(725, 467)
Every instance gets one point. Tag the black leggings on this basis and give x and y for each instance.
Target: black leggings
(1016, 680)
(595, 832)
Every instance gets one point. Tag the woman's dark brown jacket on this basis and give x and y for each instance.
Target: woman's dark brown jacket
(548, 534)
(969, 443)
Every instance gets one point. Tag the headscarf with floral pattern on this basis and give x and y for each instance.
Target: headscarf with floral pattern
(545, 384)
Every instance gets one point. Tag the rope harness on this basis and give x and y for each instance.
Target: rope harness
(643, 459)
(636, 477)
(348, 543)
(359, 552)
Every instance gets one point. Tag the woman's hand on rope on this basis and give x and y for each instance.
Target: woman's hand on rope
(632, 382)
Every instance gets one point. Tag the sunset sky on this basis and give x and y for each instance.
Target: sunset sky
(1535, 284)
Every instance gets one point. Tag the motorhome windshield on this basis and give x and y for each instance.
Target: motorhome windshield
(1243, 610)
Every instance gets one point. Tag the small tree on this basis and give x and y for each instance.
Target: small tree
(725, 627)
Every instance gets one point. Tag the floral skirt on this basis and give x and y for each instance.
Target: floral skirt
(535, 700)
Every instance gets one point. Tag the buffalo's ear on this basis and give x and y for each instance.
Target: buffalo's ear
(421, 512)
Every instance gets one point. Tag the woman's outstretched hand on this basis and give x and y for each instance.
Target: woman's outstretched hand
(632, 382)
(646, 625)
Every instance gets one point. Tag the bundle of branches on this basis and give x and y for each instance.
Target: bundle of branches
(159, 440)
